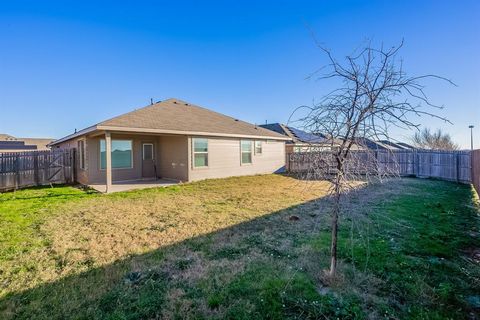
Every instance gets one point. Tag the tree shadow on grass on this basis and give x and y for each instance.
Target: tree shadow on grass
(252, 270)
(143, 286)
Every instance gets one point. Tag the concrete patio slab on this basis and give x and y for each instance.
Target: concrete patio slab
(119, 186)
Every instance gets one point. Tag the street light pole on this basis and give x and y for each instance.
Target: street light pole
(471, 136)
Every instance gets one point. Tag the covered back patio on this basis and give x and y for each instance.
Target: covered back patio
(119, 186)
(120, 161)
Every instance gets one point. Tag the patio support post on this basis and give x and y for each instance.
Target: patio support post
(108, 160)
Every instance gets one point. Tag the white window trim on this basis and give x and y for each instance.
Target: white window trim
(200, 152)
(255, 147)
(143, 150)
(242, 152)
(100, 155)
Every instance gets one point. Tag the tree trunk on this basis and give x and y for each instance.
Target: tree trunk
(335, 214)
(333, 247)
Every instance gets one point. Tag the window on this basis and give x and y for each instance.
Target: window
(258, 147)
(81, 153)
(246, 151)
(121, 154)
(200, 152)
(148, 151)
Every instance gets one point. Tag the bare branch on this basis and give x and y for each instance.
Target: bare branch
(374, 94)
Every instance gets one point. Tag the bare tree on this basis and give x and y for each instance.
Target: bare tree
(436, 140)
(373, 94)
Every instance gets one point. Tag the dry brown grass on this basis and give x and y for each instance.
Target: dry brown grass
(103, 229)
(225, 249)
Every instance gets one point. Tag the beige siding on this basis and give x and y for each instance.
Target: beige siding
(224, 159)
(174, 158)
(97, 175)
(163, 160)
(172, 155)
(82, 174)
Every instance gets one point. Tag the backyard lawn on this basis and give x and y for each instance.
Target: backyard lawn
(240, 248)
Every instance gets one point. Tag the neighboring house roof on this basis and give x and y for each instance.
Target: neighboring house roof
(174, 116)
(405, 145)
(383, 144)
(7, 137)
(296, 135)
(391, 145)
(10, 143)
(370, 144)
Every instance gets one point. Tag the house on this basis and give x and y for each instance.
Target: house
(175, 140)
(299, 140)
(397, 145)
(383, 144)
(371, 144)
(10, 143)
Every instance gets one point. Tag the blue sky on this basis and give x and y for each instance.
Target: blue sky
(67, 65)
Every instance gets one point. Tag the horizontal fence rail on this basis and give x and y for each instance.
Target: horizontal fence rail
(35, 168)
(445, 165)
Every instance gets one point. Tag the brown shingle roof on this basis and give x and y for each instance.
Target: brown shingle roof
(177, 115)
(7, 137)
(10, 143)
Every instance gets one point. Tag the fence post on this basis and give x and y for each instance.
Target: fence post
(73, 164)
(457, 166)
(48, 159)
(430, 164)
(64, 170)
(474, 167)
(472, 170)
(414, 163)
(286, 162)
(35, 169)
(17, 172)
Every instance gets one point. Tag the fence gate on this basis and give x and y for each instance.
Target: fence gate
(34, 168)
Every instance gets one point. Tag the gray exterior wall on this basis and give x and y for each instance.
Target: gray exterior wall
(82, 174)
(170, 158)
(174, 158)
(172, 155)
(224, 159)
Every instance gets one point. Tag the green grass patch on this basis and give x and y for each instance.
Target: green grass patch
(227, 249)
(416, 244)
(22, 213)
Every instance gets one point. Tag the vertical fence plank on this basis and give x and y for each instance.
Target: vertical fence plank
(73, 164)
(17, 172)
(446, 165)
(475, 171)
(33, 168)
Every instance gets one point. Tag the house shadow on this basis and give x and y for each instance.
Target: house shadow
(143, 283)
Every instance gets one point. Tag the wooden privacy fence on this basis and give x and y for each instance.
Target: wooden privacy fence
(476, 170)
(35, 168)
(445, 165)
